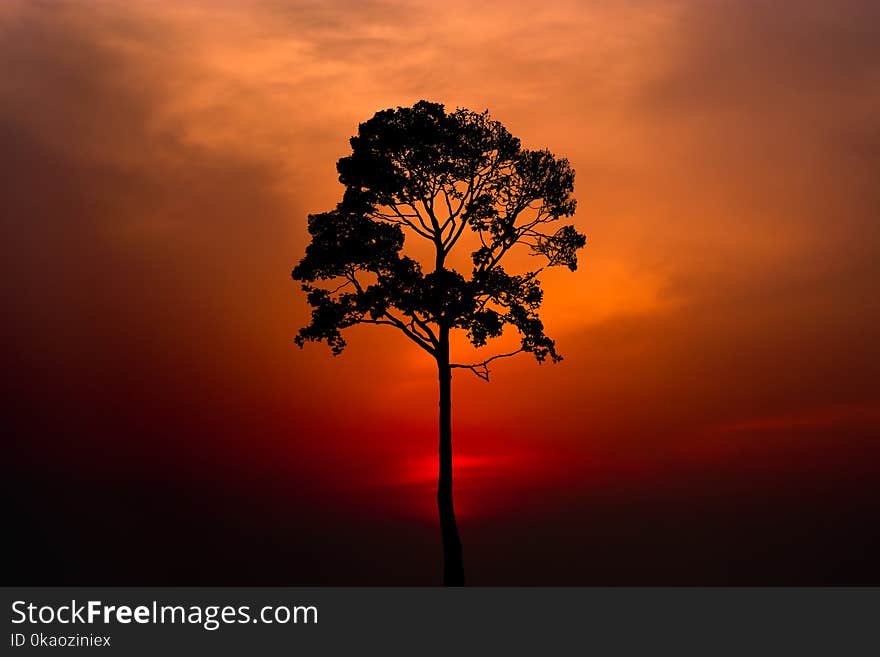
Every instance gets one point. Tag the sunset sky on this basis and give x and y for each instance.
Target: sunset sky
(717, 415)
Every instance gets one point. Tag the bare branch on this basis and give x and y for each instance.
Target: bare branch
(404, 218)
(448, 206)
(449, 242)
(340, 287)
(426, 342)
(519, 232)
(426, 328)
(393, 321)
(482, 369)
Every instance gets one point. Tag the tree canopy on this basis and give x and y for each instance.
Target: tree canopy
(421, 172)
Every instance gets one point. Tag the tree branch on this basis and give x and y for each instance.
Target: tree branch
(393, 321)
(426, 342)
(405, 220)
(518, 233)
(482, 369)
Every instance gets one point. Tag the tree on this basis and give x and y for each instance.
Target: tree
(424, 173)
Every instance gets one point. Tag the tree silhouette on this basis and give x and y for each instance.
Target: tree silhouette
(420, 171)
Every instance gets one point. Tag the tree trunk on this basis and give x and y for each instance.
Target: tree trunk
(453, 570)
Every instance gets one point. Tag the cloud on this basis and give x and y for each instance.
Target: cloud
(126, 242)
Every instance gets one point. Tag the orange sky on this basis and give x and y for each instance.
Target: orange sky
(160, 159)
